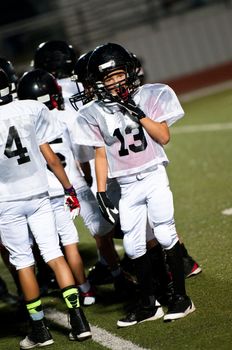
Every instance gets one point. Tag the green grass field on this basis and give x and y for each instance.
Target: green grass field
(200, 175)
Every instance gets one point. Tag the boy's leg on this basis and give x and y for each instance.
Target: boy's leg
(39, 334)
(75, 262)
(181, 305)
(161, 215)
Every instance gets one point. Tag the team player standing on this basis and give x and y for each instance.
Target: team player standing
(128, 127)
(58, 58)
(25, 132)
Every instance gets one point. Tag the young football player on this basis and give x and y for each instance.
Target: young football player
(128, 126)
(57, 57)
(25, 131)
(99, 272)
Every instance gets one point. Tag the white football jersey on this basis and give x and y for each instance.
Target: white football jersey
(129, 147)
(63, 149)
(24, 125)
(81, 153)
(69, 88)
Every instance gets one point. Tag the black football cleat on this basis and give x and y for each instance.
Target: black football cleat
(38, 337)
(80, 329)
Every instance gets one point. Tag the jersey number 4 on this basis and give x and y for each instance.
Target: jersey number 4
(20, 151)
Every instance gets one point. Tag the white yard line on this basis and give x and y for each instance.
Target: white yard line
(201, 128)
(99, 335)
(227, 211)
(193, 95)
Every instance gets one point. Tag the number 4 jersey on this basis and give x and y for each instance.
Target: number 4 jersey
(129, 148)
(24, 125)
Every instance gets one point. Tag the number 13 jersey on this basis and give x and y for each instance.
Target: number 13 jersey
(129, 147)
(24, 125)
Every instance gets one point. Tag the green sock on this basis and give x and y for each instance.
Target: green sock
(34, 307)
(71, 297)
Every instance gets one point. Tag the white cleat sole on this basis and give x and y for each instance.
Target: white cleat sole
(177, 316)
(159, 313)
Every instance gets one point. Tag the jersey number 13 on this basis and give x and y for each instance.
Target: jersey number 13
(137, 137)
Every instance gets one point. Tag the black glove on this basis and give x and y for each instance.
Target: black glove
(131, 107)
(108, 210)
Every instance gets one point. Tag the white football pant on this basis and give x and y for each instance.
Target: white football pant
(146, 195)
(15, 216)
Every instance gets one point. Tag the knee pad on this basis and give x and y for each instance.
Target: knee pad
(132, 249)
(165, 234)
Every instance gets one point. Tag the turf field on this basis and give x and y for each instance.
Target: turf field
(200, 170)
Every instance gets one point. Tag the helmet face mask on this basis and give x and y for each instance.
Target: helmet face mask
(106, 61)
(41, 86)
(85, 92)
(56, 57)
(116, 83)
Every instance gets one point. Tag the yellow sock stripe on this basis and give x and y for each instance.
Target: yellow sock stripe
(69, 293)
(32, 306)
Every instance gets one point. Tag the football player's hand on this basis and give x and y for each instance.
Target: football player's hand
(71, 202)
(131, 107)
(108, 210)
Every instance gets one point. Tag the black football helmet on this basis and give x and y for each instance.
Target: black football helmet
(5, 92)
(8, 68)
(106, 59)
(139, 72)
(84, 94)
(42, 86)
(56, 57)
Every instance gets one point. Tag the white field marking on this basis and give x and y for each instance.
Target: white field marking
(99, 335)
(227, 211)
(201, 128)
(190, 96)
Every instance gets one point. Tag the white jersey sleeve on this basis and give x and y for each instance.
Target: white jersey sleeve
(86, 130)
(23, 126)
(81, 153)
(159, 102)
(47, 128)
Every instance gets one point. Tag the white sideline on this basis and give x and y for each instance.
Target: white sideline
(99, 335)
(201, 128)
